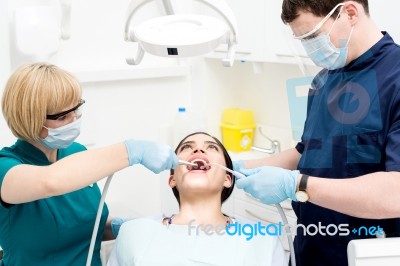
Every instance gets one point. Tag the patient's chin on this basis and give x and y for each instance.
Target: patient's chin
(200, 185)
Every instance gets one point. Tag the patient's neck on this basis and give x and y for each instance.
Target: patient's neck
(206, 210)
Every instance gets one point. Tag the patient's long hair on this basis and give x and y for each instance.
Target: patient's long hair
(227, 191)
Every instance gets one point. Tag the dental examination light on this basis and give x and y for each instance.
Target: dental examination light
(182, 35)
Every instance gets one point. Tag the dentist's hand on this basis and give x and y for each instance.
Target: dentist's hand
(154, 156)
(269, 184)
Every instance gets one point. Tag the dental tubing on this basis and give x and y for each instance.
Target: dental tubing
(288, 234)
(237, 174)
(97, 221)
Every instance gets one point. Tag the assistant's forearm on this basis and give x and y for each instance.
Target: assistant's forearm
(373, 196)
(24, 183)
(88, 167)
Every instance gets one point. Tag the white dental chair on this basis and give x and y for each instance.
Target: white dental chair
(105, 251)
(374, 251)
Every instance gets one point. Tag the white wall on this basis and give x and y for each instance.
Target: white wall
(384, 13)
(5, 135)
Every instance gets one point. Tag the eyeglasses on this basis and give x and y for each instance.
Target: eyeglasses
(320, 24)
(74, 109)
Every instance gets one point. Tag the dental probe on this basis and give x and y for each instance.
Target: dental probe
(182, 162)
(235, 173)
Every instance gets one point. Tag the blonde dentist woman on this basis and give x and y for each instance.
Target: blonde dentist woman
(48, 192)
(196, 234)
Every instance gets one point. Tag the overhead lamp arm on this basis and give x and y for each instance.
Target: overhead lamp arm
(168, 7)
(65, 19)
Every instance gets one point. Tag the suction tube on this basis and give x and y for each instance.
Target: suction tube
(288, 234)
(97, 221)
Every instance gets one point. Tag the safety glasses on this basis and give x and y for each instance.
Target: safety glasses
(74, 109)
(320, 24)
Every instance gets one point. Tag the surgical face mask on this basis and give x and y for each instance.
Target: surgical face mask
(324, 54)
(322, 51)
(62, 137)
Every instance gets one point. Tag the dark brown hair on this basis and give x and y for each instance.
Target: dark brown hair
(291, 8)
(227, 191)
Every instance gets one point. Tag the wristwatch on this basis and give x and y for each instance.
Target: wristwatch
(301, 193)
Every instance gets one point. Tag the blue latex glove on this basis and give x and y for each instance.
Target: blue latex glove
(269, 184)
(154, 156)
(237, 165)
(116, 224)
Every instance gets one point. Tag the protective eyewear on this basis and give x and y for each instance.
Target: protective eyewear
(74, 109)
(320, 24)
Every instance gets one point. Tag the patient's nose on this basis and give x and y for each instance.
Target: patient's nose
(198, 150)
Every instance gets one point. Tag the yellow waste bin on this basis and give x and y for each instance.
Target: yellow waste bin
(237, 128)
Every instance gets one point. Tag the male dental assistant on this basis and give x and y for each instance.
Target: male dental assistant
(345, 170)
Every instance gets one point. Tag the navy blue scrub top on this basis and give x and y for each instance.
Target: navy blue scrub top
(54, 231)
(352, 129)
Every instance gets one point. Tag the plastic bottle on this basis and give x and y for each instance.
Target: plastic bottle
(181, 126)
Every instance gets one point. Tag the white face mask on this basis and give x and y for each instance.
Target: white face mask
(321, 50)
(62, 137)
(324, 54)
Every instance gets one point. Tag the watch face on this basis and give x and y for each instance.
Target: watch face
(302, 196)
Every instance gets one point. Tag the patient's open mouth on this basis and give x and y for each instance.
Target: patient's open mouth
(201, 165)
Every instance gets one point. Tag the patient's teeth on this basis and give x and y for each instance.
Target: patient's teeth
(206, 167)
(200, 164)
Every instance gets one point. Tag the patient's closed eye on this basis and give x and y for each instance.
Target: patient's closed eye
(208, 145)
(185, 146)
(213, 147)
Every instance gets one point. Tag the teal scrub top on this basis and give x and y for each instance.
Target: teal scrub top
(52, 231)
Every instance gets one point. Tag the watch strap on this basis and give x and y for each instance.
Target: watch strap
(303, 183)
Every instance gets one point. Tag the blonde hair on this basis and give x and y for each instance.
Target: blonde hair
(34, 91)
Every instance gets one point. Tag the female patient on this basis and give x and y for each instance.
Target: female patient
(196, 235)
